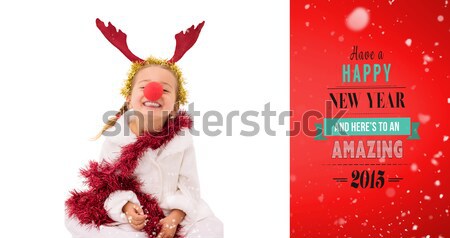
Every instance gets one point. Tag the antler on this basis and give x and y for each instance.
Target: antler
(117, 39)
(185, 41)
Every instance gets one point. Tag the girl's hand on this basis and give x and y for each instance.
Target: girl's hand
(135, 215)
(170, 224)
(168, 229)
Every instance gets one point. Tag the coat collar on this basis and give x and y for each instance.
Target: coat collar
(175, 136)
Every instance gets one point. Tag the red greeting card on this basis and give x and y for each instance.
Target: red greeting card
(370, 95)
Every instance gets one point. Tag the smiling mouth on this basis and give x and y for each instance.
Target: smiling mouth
(152, 104)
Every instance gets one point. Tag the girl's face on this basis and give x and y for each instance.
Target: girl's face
(160, 108)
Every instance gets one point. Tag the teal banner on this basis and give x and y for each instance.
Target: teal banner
(368, 127)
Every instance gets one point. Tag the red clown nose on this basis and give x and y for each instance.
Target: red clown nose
(153, 91)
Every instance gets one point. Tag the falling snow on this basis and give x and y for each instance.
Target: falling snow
(427, 198)
(440, 18)
(434, 162)
(414, 167)
(340, 222)
(445, 138)
(307, 6)
(438, 155)
(437, 183)
(408, 42)
(321, 197)
(390, 192)
(358, 19)
(293, 178)
(427, 59)
(423, 118)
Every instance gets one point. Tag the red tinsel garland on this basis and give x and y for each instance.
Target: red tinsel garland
(105, 178)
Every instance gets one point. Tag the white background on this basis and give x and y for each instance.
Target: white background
(59, 75)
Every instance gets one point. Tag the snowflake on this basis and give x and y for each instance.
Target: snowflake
(438, 154)
(434, 162)
(423, 118)
(321, 197)
(427, 59)
(437, 183)
(408, 42)
(358, 19)
(414, 167)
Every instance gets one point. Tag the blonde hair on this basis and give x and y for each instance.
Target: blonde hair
(129, 84)
(152, 61)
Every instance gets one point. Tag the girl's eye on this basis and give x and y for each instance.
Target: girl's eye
(166, 91)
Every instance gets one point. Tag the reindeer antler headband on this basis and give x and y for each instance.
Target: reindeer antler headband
(184, 41)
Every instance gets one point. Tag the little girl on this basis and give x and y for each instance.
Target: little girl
(146, 184)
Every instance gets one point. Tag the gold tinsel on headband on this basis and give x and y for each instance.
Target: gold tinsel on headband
(136, 66)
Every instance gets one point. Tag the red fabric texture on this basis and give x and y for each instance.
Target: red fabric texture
(117, 39)
(185, 41)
